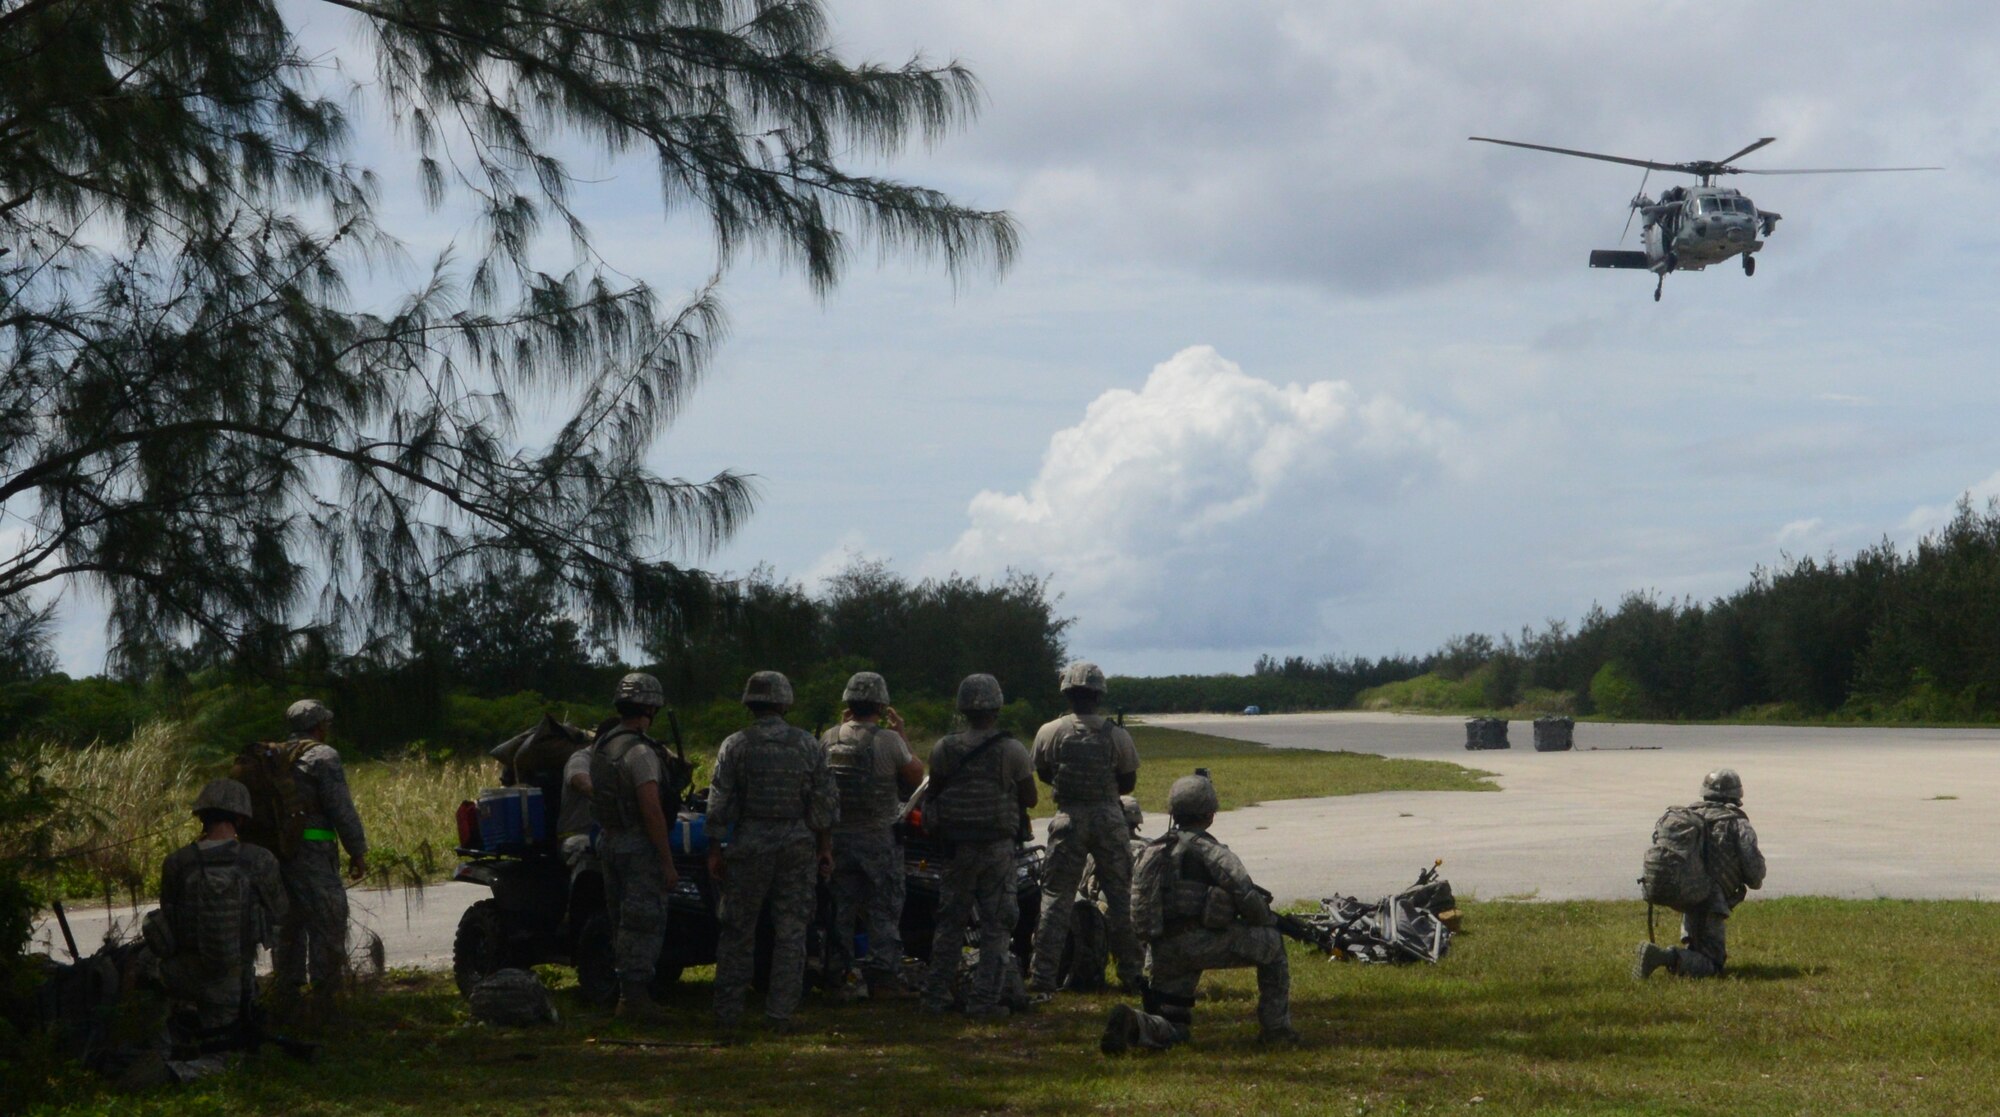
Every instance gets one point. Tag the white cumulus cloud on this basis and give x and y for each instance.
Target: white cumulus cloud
(1211, 508)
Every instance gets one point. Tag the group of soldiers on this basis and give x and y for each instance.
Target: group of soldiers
(786, 810)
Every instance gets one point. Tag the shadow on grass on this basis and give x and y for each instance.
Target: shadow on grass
(1765, 971)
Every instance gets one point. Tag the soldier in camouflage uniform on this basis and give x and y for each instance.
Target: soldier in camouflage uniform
(1090, 762)
(313, 937)
(220, 899)
(981, 781)
(1734, 864)
(869, 759)
(626, 775)
(771, 810)
(1215, 918)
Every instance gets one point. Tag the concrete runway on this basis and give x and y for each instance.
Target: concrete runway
(1840, 812)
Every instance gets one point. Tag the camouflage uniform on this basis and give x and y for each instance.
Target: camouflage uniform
(1191, 947)
(771, 795)
(635, 886)
(207, 995)
(574, 821)
(312, 939)
(868, 870)
(1737, 865)
(1082, 757)
(975, 807)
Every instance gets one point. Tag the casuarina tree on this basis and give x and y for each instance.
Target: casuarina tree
(217, 410)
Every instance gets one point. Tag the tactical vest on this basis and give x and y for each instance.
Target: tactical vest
(1085, 762)
(776, 771)
(864, 797)
(976, 803)
(614, 801)
(213, 908)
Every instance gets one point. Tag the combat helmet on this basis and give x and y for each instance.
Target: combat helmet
(1722, 786)
(866, 686)
(1135, 816)
(768, 688)
(641, 689)
(224, 795)
(1192, 797)
(980, 694)
(307, 714)
(1082, 675)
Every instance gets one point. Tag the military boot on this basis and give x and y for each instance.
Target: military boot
(636, 1003)
(1651, 957)
(1121, 1030)
(1284, 1036)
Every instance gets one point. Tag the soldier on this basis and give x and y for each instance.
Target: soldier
(574, 820)
(869, 759)
(981, 782)
(1215, 917)
(626, 775)
(1089, 762)
(1734, 864)
(312, 939)
(771, 810)
(220, 899)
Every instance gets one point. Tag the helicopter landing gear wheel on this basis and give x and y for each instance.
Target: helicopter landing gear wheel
(1749, 264)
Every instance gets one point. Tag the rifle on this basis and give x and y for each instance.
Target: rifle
(1314, 932)
(680, 754)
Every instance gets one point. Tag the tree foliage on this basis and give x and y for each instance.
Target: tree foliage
(210, 410)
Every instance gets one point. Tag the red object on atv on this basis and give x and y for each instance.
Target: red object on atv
(468, 825)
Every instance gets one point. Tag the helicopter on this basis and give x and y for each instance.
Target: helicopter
(1692, 227)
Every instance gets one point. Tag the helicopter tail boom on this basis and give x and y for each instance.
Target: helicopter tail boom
(1616, 258)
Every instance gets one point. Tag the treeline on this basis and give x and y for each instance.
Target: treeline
(1275, 685)
(489, 657)
(1889, 634)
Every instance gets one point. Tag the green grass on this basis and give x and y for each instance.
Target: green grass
(1858, 1007)
(1246, 774)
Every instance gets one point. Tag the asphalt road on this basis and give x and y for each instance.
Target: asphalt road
(1905, 813)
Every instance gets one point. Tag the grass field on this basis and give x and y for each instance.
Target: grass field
(1831, 1007)
(1246, 774)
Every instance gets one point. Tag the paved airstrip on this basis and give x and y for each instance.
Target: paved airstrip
(1864, 813)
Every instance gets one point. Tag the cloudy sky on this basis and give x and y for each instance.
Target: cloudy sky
(1288, 365)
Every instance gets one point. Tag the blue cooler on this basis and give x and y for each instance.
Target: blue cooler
(511, 817)
(691, 833)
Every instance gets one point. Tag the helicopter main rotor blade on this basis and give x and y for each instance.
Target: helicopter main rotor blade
(1825, 170)
(1646, 163)
(1727, 159)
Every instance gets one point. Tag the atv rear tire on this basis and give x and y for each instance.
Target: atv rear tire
(477, 949)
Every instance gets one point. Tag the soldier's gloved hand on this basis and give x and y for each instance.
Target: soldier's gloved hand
(357, 867)
(891, 719)
(668, 870)
(825, 863)
(714, 863)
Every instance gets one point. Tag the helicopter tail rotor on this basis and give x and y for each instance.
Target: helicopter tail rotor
(1638, 200)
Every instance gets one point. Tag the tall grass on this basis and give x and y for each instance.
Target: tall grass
(132, 805)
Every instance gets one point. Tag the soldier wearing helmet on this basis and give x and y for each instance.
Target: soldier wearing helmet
(628, 782)
(1212, 916)
(1089, 761)
(1734, 864)
(871, 763)
(771, 810)
(312, 941)
(982, 783)
(220, 899)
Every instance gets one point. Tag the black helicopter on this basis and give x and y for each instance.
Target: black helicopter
(1691, 227)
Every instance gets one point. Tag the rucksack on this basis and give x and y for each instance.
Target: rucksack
(1675, 873)
(1154, 873)
(215, 905)
(269, 770)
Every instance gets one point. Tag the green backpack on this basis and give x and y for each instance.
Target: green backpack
(269, 770)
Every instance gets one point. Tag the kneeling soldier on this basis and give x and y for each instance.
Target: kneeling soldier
(1197, 906)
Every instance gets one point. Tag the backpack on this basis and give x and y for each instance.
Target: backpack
(269, 770)
(1154, 873)
(1088, 948)
(215, 905)
(1675, 872)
